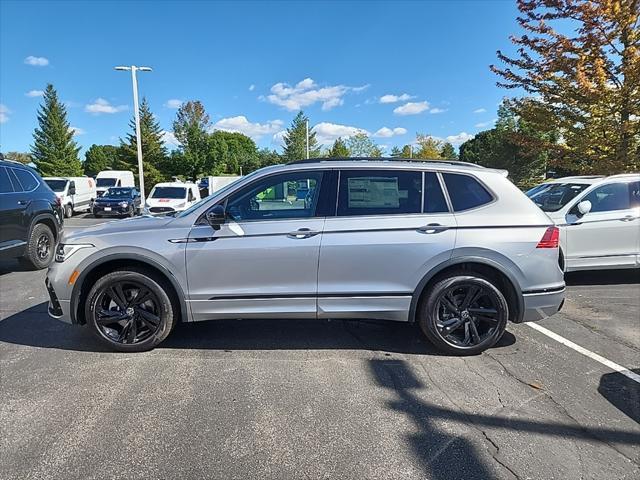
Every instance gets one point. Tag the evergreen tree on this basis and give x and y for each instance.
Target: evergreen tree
(448, 152)
(100, 157)
(295, 140)
(54, 151)
(360, 145)
(190, 129)
(154, 153)
(339, 149)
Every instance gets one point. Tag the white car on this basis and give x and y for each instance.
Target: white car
(599, 219)
(75, 193)
(172, 197)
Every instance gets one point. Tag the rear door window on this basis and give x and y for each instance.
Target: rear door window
(434, 201)
(379, 192)
(465, 192)
(5, 183)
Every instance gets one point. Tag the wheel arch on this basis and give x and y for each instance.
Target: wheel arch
(507, 282)
(47, 219)
(111, 262)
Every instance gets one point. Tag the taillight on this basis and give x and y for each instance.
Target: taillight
(550, 239)
(58, 201)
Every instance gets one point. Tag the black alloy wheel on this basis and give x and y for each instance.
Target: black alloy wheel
(464, 315)
(130, 310)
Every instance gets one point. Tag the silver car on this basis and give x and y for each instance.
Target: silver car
(456, 248)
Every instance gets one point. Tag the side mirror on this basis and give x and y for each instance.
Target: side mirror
(216, 216)
(72, 190)
(584, 207)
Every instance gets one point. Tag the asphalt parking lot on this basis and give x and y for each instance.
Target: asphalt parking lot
(321, 399)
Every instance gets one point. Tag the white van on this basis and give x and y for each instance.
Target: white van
(76, 194)
(172, 197)
(114, 178)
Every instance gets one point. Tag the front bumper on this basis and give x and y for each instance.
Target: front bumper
(541, 305)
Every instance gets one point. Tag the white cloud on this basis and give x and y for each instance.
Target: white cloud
(306, 93)
(480, 110)
(36, 61)
(77, 131)
(459, 139)
(173, 103)
(252, 87)
(411, 108)
(437, 110)
(4, 113)
(485, 124)
(169, 139)
(103, 106)
(34, 93)
(389, 98)
(327, 133)
(242, 125)
(386, 132)
(278, 137)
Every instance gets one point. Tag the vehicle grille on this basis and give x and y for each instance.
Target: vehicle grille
(160, 209)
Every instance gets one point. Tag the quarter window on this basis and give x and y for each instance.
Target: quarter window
(608, 198)
(634, 194)
(26, 179)
(434, 201)
(379, 192)
(291, 195)
(5, 183)
(465, 192)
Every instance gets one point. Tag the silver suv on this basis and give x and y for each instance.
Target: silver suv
(456, 248)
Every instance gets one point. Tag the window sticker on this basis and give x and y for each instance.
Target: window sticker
(373, 192)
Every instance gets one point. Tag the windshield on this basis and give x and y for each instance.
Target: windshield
(169, 192)
(105, 182)
(554, 196)
(118, 193)
(56, 185)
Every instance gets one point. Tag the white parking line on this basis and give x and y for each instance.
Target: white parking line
(612, 365)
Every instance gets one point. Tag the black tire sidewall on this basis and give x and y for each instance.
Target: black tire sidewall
(68, 211)
(167, 316)
(428, 314)
(31, 259)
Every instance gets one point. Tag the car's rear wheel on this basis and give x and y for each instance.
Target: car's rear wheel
(40, 248)
(130, 310)
(464, 314)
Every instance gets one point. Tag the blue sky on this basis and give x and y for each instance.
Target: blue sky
(389, 68)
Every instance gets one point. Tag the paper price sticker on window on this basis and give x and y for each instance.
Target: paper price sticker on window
(373, 192)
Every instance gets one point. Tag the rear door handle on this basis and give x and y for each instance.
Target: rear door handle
(302, 233)
(432, 228)
(22, 202)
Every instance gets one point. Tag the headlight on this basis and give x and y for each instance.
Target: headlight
(64, 251)
(124, 204)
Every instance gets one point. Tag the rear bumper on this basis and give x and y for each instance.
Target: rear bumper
(539, 305)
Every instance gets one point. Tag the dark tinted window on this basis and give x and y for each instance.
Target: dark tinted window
(169, 192)
(105, 182)
(116, 192)
(552, 197)
(56, 185)
(607, 198)
(434, 201)
(288, 195)
(379, 192)
(465, 192)
(5, 183)
(26, 178)
(634, 194)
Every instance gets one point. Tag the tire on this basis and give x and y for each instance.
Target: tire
(132, 212)
(117, 320)
(68, 211)
(458, 321)
(95, 215)
(40, 248)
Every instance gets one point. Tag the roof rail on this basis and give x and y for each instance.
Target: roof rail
(385, 159)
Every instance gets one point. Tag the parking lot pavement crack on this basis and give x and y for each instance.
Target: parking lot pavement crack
(499, 395)
(495, 452)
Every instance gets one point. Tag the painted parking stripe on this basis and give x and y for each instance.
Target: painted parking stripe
(612, 365)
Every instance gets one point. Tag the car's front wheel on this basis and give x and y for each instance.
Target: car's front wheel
(463, 314)
(130, 310)
(68, 211)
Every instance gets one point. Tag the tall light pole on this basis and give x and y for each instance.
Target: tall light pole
(136, 111)
(307, 124)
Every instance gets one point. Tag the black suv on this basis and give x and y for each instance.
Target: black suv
(118, 201)
(30, 216)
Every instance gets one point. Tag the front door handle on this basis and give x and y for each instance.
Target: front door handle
(302, 233)
(432, 228)
(22, 202)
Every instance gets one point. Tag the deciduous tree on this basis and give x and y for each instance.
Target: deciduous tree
(361, 145)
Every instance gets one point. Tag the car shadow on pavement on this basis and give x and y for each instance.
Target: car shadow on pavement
(447, 456)
(10, 266)
(622, 392)
(33, 327)
(603, 277)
